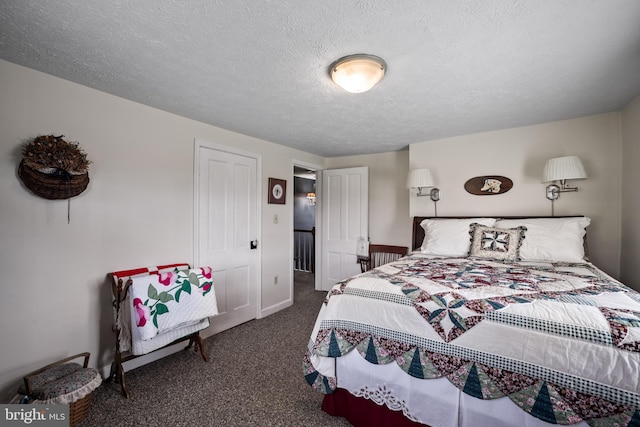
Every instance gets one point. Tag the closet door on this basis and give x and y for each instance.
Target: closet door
(226, 234)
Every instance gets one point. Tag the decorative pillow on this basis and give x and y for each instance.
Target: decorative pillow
(501, 244)
(551, 239)
(449, 237)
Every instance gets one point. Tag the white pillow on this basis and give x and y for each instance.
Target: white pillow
(551, 239)
(449, 237)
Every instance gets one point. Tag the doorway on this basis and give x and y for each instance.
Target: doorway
(304, 225)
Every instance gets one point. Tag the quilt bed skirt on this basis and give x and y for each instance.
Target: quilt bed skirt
(384, 395)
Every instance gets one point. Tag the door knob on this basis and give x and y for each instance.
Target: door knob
(254, 244)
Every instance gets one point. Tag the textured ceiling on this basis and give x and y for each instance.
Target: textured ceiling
(260, 67)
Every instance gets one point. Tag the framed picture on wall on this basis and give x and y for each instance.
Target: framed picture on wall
(277, 191)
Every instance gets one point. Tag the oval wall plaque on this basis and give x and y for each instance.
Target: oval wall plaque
(488, 185)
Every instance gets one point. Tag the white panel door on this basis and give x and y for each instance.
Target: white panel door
(226, 226)
(345, 218)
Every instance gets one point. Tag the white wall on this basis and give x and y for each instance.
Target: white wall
(520, 154)
(389, 220)
(137, 211)
(629, 265)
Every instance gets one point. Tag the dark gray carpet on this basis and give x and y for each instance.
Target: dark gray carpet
(253, 378)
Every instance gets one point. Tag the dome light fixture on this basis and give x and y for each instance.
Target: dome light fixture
(357, 73)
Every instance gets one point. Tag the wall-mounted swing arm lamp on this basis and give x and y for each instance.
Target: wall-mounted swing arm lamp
(422, 178)
(562, 169)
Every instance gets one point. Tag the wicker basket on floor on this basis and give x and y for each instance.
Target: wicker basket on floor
(63, 382)
(79, 409)
(53, 186)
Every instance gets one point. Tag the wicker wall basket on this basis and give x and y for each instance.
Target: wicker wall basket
(52, 186)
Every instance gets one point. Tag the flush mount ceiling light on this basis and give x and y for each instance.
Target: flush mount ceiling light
(357, 73)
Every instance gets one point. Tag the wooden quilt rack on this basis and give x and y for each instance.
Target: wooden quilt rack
(120, 284)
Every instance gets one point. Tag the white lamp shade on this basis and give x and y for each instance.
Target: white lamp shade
(561, 168)
(357, 73)
(419, 178)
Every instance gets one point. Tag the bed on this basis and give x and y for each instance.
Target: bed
(488, 322)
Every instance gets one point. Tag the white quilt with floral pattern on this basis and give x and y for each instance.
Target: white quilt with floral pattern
(168, 300)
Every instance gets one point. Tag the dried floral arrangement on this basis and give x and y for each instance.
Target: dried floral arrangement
(48, 153)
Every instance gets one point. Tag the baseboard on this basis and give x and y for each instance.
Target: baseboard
(276, 307)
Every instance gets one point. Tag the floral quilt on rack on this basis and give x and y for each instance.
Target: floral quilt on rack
(164, 301)
(561, 340)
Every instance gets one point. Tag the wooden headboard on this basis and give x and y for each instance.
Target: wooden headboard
(418, 231)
